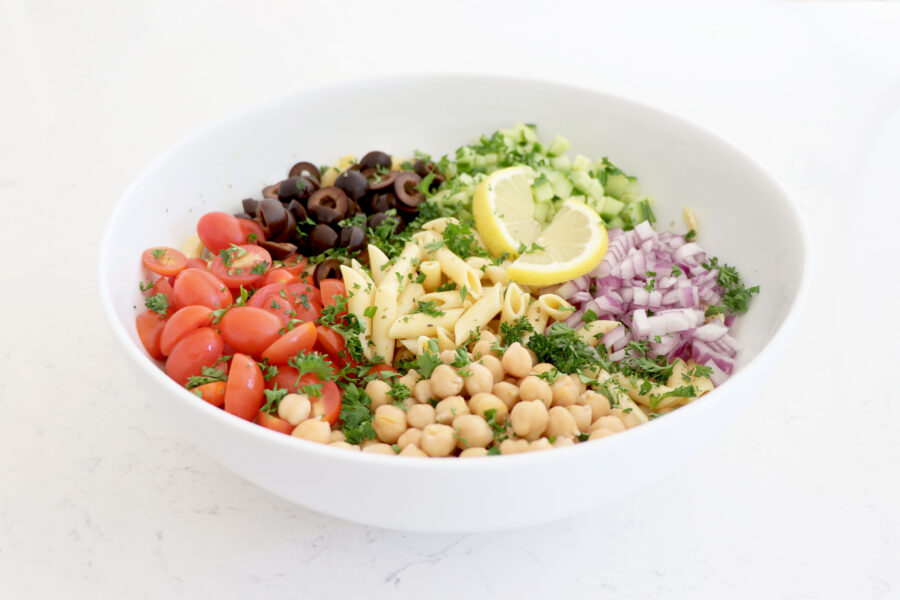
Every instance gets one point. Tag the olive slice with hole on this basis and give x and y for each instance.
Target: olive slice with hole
(408, 197)
(272, 217)
(330, 268)
(352, 238)
(329, 205)
(278, 250)
(271, 191)
(376, 159)
(296, 188)
(379, 181)
(250, 206)
(378, 203)
(298, 210)
(321, 238)
(378, 218)
(353, 183)
(305, 168)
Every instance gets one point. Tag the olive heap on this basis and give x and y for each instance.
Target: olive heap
(299, 215)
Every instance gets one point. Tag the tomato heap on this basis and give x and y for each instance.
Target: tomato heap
(242, 330)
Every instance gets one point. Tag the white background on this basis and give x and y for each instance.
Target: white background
(101, 497)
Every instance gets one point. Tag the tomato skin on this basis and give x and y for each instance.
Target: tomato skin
(381, 368)
(274, 423)
(184, 321)
(249, 228)
(297, 291)
(281, 308)
(294, 263)
(331, 342)
(200, 348)
(250, 330)
(213, 392)
(259, 297)
(277, 276)
(197, 263)
(240, 271)
(218, 230)
(196, 286)
(244, 388)
(331, 289)
(165, 261)
(300, 338)
(163, 286)
(328, 406)
(150, 326)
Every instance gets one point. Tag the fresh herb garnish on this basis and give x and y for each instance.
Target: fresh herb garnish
(208, 375)
(158, 303)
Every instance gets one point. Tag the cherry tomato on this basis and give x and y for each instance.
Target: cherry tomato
(259, 297)
(277, 276)
(297, 292)
(382, 368)
(331, 342)
(197, 263)
(309, 312)
(280, 307)
(162, 286)
(196, 286)
(294, 263)
(165, 261)
(184, 321)
(250, 330)
(241, 265)
(274, 423)
(213, 392)
(328, 406)
(244, 389)
(150, 325)
(285, 379)
(253, 233)
(218, 230)
(300, 338)
(330, 289)
(200, 348)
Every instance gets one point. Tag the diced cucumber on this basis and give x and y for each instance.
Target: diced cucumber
(615, 222)
(582, 163)
(581, 180)
(596, 190)
(638, 211)
(542, 190)
(617, 184)
(542, 211)
(562, 186)
(611, 207)
(561, 163)
(558, 146)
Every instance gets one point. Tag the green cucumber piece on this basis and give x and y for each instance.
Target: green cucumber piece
(558, 146)
(611, 207)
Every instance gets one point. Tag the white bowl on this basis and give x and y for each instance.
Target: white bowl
(745, 217)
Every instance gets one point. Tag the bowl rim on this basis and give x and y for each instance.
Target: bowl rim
(291, 444)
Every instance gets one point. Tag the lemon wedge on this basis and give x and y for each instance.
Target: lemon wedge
(503, 208)
(572, 245)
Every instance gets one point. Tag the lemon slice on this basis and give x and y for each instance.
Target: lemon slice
(573, 244)
(504, 211)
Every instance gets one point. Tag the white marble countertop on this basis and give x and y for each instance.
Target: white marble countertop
(101, 498)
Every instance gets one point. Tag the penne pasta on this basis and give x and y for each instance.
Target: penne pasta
(445, 339)
(451, 299)
(423, 238)
(432, 271)
(416, 324)
(514, 304)
(406, 301)
(555, 306)
(536, 316)
(594, 331)
(377, 262)
(478, 263)
(439, 225)
(459, 272)
(359, 299)
(496, 274)
(478, 315)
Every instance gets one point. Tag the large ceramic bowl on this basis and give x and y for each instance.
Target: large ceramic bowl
(744, 215)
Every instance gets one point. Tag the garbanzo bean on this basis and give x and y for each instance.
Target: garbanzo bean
(563, 442)
(493, 365)
(294, 408)
(481, 403)
(472, 432)
(535, 388)
(445, 381)
(507, 392)
(582, 416)
(629, 419)
(344, 445)
(377, 391)
(473, 452)
(541, 444)
(598, 402)
(516, 361)
(422, 391)
(420, 415)
(389, 422)
(412, 450)
(438, 440)
(410, 436)
(565, 392)
(601, 432)
(487, 336)
(580, 385)
(410, 379)
(511, 446)
(450, 408)
(529, 419)
(313, 430)
(560, 423)
(379, 448)
(541, 368)
(338, 436)
(479, 379)
(483, 348)
(447, 356)
(611, 422)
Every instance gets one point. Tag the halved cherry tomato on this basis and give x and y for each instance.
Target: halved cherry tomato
(213, 392)
(294, 263)
(165, 261)
(250, 330)
(200, 348)
(241, 265)
(310, 311)
(197, 263)
(382, 368)
(286, 378)
(330, 289)
(328, 405)
(259, 297)
(196, 286)
(218, 230)
(277, 276)
(297, 292)
(244, 388)
(280, 307)
(253, 233)
(162, 286)
(274, 423)
(150, 325)
(184, 321)
(302, 337)
(331, 342)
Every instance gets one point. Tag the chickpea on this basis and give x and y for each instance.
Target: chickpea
(565, 392)
(582, 416)
(377, 391)
(516, 361)
(447, 356)
(345, 445)
(529, 419)
(511, 446)
(507, 392)
(470, 452)
(338, 436)
(601, 432)
(410, 379)
(410, 436)
(370, 443)
(598, 403)
(389, 422)
(314, 431)
(541, 444)
(611, 422)
(413, 451)
(378, 448)
(492, 363)
(472, 432)
(580, 385)
(450, 408)
(541, 368)
(560, 423)
(294, 408)
(535, 388)
(486, 335)
(422, 391)
(630, 419)
(445, 381)
(438, 440)
(482, 348)
(420, 415)
(481, 403)
(563, 442)
(480, 379)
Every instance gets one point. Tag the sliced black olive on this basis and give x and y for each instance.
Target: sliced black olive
(272, 217)
(306, 168)
(376, 203)
(423, 169)
(242, 215)
(379, 181)
(290, 225)
(353, 183)
(296, 188)
(352, 238)
(298, 210)
(250, 206)
(330, 268)
(329, 205)
(270, 191)
(378, 218)
(374, 160)
(278, 250)
(408, 197)
(321, 238)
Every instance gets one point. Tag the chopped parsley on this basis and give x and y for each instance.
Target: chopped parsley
(208, 375)
(562, 347)
(158, 303)
(273, 399)
(356, 415)
(428, 307)
(514, 331)
(311, 362)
